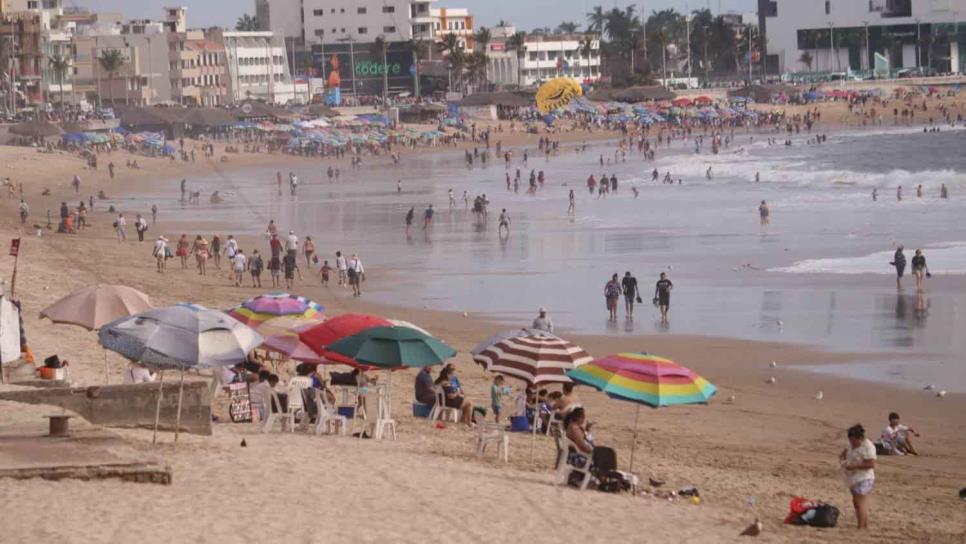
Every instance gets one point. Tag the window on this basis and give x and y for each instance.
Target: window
(363, 30)
(533, 55)
(320, 32)
(361, 11)
(341, 10)
(318, 12)
(389, 29)
(828, 7)
(389, 9)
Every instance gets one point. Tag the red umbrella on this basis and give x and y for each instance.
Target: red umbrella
(681, 102)
(703, 100)
(318, 337)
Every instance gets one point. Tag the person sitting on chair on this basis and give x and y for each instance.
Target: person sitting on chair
(577, 431)
(454, 396)
(424, 387)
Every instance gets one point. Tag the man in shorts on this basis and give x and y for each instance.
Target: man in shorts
(662, 293)
(504, 222)
(342, 266)
(629, 285)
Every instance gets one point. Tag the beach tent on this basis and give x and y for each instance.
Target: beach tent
(11, 331)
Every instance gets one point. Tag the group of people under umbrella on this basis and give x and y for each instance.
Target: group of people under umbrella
(191, 337)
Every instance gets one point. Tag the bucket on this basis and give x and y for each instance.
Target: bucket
(519, 424)
(47, 373)
(421, 410)
(347, 411)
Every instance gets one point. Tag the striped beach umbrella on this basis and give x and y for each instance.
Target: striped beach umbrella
(644, 379)
(264, 307)
(533, 359)
(282, 335)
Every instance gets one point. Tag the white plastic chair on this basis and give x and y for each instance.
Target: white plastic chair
(273, 413)
(564, 468)
(440, 410)
(384, 420)
(556, 422)
(327, 417)
(296, 403)
(493, 433)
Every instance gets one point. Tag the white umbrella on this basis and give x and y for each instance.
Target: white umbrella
(179, 337)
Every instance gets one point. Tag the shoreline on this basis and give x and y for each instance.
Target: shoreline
(772, 442)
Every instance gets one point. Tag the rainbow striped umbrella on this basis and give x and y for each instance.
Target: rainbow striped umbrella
(282, 335)
(261, 308)
(645, 379)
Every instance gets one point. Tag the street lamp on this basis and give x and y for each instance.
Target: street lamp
(687, 23)
(831, 44)
(868, 54)
(918, 45)
(352, 61)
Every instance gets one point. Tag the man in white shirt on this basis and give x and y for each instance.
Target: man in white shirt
(342, 267)
(120, 225)
(292, 244)
(140, 225)
(356, 273)
(160, 252)
(542, 322)
(239, 263)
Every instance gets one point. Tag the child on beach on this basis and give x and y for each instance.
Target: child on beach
(497, 392)
(895, 437)
(324, 271)
(255, 266)
(238, 265)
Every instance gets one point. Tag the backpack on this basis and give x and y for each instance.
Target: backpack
(826, 515)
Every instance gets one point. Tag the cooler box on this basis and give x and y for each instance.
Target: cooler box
(422, 410)
(519, 424)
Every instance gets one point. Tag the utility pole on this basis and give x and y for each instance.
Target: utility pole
(831, 44)
(918, 44)
(868, 54)
(687, 22)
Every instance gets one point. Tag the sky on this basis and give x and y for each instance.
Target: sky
(525, 14)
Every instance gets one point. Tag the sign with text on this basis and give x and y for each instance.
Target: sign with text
(239, 403)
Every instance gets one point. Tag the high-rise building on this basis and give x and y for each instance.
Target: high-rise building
(258, 67)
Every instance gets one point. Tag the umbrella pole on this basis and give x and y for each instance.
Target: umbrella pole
(177, 424)
(637, 413)
(107, 376)
(533, 428)
(157, 408)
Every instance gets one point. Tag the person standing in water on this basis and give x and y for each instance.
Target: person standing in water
(943, 192)
(763, 213)
(572, 208)
(504, 222)
(919, 191)
(875, 194)
(662, 293)
(899, 193)
(899, 261)
(428, 217)
(612, 292)
(410, 215)
(629, 285)
(919, 269)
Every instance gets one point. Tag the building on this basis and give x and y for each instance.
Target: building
(455, 21)
(257, 67)
(846, 34)
(543, 57)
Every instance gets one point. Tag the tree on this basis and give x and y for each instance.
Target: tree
(596, 20)
(246, 23)
(518, 42)
(418, 49)
(59, 65)
(483, 37)
(567, 27)
(806, 59)
(585, 49)
(111, 61)
(381, 46)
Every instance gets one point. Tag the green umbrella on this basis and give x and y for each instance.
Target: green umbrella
(390, 347)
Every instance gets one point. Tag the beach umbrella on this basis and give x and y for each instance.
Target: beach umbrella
(401, 323)
(500, 336)
(334, 329)
(535, 359)
(281, 335)
(644, 379)
(95, 306)
(261, 308)
(180, 337)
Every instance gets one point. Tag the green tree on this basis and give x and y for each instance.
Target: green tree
(483, 37)
(246, 23)
(567, 27)
(518, 42)
(596, 20)
(806, 59)
(59, 65)
(418, 50)
(111, 61)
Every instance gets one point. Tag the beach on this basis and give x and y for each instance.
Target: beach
(748, 456)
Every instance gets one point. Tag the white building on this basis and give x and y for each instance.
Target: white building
(543, 57)
(455, 21)
(258, 68)
(841, 34)
(331, 22)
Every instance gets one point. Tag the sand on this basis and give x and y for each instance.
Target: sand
(748, 457)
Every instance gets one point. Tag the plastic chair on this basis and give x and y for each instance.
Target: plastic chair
(555, 424)
(327, 416)
(296, 403)
(493, 433)
(440, 410)
(564, 468)
(384, 421)
(274, 413)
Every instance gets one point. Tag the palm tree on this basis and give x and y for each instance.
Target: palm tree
(518, 43)
(806, 59)
(596, 20)
(584, 49)
(59, 65)
(246, 23)
(381, 46)
(418, 49)
(449, 45)
(567, 27)
(111, 61)
(483, 37)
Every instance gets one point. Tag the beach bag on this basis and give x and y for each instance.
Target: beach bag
(826, 515)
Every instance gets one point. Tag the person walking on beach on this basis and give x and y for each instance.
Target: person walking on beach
(160, 252)
(278, 182)
(309, 250)
(140, 226)
(858, 465)
(231, 249)
(239, 263)
(357, 274)
(410, 215)
(899, 261)
(662, 294)
(255, 266)
(120, 226)
(612, 292)
(943, 192)
(343, 267)
(428, 217)
(763, 213)
(75, 183)
(288, 266)
(200, 251)
(24, 211)
(324, 273)
(215, 252)
(572, 208)
(899, 192)
(292, 244)
(274, 265)
(452, 199)
(504, 223)
(184, 187)
(182, 250)
(875, 194)
(919, 269)
(542, 322)
(154, 214)
(629, 285)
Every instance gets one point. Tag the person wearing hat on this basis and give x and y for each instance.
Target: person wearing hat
(160, 252)
(542, 322)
